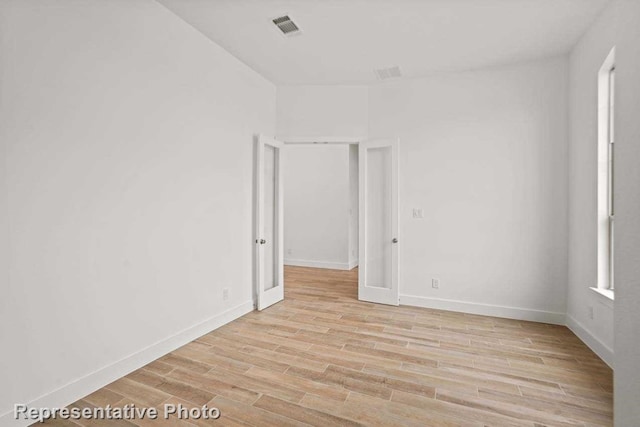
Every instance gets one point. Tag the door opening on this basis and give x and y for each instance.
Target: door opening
(341, 214)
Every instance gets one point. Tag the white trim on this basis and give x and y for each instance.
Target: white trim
(484, 309)
(353, 264)
(605, 267)
(320, 139)
(606, 293)
(86, 385)
(331, 265)
(602, 350)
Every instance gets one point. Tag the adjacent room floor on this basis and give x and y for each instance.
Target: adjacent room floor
(321, 357)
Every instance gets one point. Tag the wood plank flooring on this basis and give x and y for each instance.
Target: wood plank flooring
(323, 358)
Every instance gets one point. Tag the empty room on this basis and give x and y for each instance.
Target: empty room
(320, 213)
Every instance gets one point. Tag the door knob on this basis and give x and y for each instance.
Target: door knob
(262, 241)
(395, 240)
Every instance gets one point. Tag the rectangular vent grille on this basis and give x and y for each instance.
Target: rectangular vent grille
(388, 73)
(286, 25)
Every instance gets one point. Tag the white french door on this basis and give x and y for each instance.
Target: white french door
(378, 219)
(269, 226)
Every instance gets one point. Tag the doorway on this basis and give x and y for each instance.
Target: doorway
(327, 207)
(321, 206)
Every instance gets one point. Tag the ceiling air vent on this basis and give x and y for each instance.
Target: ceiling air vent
(286, 25)
(388, 73)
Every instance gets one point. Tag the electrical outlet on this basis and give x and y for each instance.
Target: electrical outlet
(435, 283)
(591, 312)
(418, 213)
(289, 251)
(225, 294)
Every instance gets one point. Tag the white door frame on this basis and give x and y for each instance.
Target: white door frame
(365, 293)
(268, 297)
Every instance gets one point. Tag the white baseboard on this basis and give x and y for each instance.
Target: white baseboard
(484, 309)
(318, 264)
(603, 351)
(353, 264)
(81, 387)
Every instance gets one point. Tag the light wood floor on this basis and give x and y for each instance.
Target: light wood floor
(323, 358)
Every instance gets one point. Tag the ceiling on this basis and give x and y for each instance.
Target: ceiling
(343, 41)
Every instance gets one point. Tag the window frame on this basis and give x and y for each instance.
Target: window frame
(606, 174)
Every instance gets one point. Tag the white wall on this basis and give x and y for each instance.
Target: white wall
(354, 200)
(627, 242)
(126, 178)
(584, 63)
(7, 304)
(326, 111)
(321, 111)
(612, 334)
(484, 153)
(316, 206)
(509, 213)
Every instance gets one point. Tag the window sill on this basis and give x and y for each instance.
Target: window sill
(607, 293)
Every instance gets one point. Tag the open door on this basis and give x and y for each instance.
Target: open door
(378, 218)
(269, 228)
